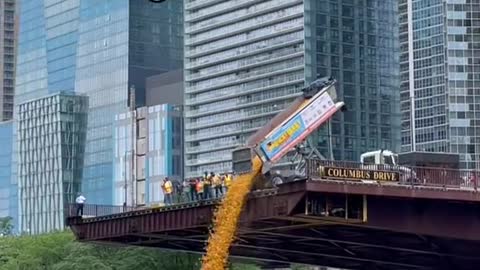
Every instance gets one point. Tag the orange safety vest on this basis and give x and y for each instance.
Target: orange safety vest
(199, 186)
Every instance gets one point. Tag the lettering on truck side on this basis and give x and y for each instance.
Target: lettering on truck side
(284, 137)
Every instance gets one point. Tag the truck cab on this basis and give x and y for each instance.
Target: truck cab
(386, 160)
(379, 157)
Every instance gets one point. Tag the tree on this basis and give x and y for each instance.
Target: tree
(6, 226)
(60, 251)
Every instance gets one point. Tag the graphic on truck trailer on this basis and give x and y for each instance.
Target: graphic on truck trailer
(277, 143)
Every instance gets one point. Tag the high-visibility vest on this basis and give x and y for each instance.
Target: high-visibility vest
(217, 181)
(199, 186)
(228, 180)
(168, 187)
(208, 180)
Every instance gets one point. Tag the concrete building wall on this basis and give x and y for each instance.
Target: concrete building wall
(166, 88)
(244, 62)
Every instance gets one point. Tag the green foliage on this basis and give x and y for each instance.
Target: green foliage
(6, 226)
(60, 251)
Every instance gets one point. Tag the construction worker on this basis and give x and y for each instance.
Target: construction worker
(167, 191)
(207, 184)
(228, 181)
(193, 189)
(217, 185)
(200, 188)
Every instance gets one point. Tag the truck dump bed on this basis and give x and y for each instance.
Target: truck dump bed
(288, 128)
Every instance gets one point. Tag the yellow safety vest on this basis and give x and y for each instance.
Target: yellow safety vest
(168, 187)
(207, 180)
(228, 180)
(217, 181)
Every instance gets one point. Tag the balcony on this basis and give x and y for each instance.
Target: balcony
(214, 9)
(270, 71)
(223, 94)
(243, 27)
(239, 40)
(242, 103)
(232, 118)
(211, 147)
(241, 14)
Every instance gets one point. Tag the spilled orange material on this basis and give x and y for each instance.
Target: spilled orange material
(226, 219)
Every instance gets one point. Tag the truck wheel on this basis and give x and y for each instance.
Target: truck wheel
(276, 180)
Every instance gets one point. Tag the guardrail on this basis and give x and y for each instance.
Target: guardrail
(326, 169)
(95, 210)
(409, 175)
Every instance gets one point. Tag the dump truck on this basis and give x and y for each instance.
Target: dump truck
(314, 107)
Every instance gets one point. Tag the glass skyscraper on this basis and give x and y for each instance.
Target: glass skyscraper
(245, 60)
(120, 43)
(8, 189)
(440, 77)
(100, 49)
(158, 153)
(51, 143)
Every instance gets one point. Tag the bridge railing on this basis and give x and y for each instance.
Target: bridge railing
(95, 210)
(409, 175)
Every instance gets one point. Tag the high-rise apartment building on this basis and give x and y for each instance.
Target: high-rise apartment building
(100, 49)
(8, 31)
(440, 77)
(245, 60)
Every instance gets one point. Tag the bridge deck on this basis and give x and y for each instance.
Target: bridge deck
(407, 227)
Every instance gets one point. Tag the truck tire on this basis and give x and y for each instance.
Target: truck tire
(276, 179)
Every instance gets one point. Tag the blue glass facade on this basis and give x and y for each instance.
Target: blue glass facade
(8, 188)
(120, 43)
(102, 74)
(50, 159)
(158, 153)
(46, 48)
(356, 42)
(98, 48)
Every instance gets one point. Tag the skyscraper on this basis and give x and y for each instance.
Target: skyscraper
(120, 44)
(440, 77)
(246, 60)
(99, 49)
(51, 143)
(8, 191)
(8, 31)
(158, 153)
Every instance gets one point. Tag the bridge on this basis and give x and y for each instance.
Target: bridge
(342, 214)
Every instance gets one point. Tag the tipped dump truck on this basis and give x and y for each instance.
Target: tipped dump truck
(317, 104)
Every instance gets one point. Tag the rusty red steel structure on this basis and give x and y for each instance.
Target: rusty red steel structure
(428, 220)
